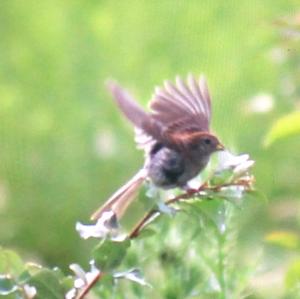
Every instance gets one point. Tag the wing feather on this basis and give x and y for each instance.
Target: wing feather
(194, 106)
(186, 100)
(180, 107)
(196, 93)
(176, 95)
(205, 94)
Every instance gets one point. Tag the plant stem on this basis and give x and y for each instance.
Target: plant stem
(184, 196)
(221, 266)
(88, 287)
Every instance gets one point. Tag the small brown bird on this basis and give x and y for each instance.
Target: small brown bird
(174, 135)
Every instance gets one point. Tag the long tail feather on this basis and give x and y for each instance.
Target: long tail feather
(123, 197)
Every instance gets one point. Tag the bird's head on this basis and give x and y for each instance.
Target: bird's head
(200, 143)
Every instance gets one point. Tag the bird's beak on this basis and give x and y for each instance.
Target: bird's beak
(220, 147)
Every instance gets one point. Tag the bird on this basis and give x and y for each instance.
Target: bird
(175, 136)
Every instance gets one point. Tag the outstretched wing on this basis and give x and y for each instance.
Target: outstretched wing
(181, 107)
(184, 106)
(147, 130)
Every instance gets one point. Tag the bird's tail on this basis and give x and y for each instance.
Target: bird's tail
(123, 197)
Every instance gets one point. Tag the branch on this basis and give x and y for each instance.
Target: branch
(185, 196)
(88, 287)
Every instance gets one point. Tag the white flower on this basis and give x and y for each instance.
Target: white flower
(243, 167)
(239, 164)
(29, 291)
(71, 294)
(82, 278)
(133, 275)
(106, 225)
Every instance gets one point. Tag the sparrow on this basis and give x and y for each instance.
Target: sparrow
(174, 134)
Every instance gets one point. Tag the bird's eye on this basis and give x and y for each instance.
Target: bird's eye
(207, 141)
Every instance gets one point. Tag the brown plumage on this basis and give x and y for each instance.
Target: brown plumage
(174, 135)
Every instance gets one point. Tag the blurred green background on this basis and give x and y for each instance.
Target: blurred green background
(64, 147)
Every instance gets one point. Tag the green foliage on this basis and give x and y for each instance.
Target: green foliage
(7, 285)
(292, 280)
(108, 254)
(290, 240)
(10, 262)
(21, 280)
(284, 127)
(47, 285)
(188, 271)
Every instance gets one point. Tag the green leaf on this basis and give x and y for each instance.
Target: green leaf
(109, 254)
(33, 268)
(23, 277)
(67, 283)
(285, 239)
(256, 195)
(285, 126)
(104, 289)
(147, 232)
(7, 285)
(47, 285)
(222, 177)
(292, 278)
(10, 263)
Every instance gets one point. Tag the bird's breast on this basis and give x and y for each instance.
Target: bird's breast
(165, 167)
(168, 168)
